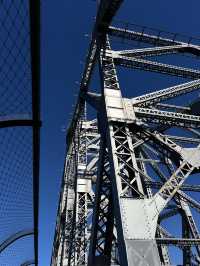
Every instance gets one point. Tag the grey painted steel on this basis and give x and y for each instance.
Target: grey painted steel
(171, 118)
(125, 171)
(153, 51)
(148, 65)
(155, 40)
(165, 94)
(174, 241)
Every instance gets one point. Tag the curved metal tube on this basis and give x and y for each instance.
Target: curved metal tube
(14, 238)
(27, 263)
(16, 120)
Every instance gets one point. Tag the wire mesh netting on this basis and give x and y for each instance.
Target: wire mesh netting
(16, 180)
(19, 253)
(18, 233)
(15, 67)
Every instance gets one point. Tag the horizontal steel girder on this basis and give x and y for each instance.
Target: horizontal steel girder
(152, 66)
(142, 37)
(186, 187)
(178, 241)
(183, 139)
(167, 118)
(151, 39)
(162, 95)
(167, 235)
(155, 51)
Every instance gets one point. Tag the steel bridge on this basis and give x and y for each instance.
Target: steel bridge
(132, 167)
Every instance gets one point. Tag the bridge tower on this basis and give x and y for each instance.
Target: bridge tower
(129, 194)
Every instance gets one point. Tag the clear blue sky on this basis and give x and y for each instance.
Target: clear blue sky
(64, 46)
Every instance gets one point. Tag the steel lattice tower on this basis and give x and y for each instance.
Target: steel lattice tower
(127, 172)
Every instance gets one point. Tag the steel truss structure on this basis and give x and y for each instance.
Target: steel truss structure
(127, 171)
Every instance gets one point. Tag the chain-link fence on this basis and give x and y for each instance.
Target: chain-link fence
(19, 131)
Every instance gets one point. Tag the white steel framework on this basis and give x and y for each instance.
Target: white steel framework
(128, 170)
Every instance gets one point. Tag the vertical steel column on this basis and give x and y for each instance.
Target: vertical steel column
(82, 194)
(34, 9)
(186, 234)
(126, 183)
(103, 219)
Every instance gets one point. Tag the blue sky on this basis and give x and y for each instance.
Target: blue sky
(65, 25)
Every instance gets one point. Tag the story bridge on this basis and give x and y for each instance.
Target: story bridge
(132, 164)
